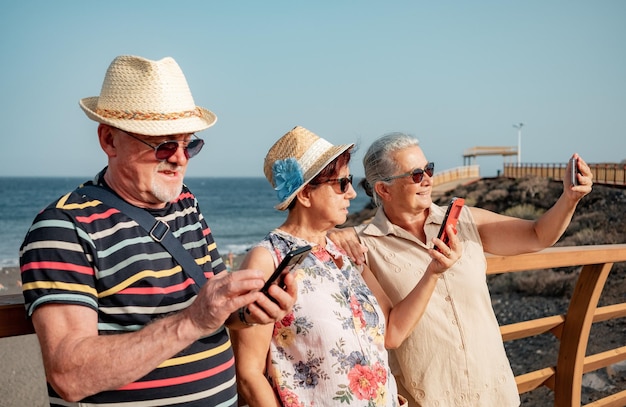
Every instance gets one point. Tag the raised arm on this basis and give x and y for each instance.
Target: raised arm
(505, 235)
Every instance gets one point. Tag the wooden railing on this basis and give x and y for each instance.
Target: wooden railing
(13, 321)
(572, 329)
(608, 174)
(455, 174)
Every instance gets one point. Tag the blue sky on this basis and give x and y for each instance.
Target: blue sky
(455, 74)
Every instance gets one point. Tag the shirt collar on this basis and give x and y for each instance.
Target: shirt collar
(382, 226)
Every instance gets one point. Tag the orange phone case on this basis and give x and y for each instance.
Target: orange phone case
(451, 218)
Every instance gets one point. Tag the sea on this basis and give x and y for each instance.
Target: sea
(239, 211)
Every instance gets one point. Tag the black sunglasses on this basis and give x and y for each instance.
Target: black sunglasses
(417, 175)
(168, 148)
(343, 183)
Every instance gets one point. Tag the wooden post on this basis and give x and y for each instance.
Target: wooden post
(578, 321)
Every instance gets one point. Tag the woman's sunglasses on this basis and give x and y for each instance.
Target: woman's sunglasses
(168, 148)
(343, 183)
(417, 175)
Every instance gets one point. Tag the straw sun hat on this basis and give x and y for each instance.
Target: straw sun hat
(295, 159)
(147, 97)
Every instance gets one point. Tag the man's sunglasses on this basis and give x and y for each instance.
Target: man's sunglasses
(168, 148)
(417, 175)
(343, 183)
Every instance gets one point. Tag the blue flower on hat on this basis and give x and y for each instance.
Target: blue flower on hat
(287, 176)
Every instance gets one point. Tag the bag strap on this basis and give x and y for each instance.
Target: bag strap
(158, 230)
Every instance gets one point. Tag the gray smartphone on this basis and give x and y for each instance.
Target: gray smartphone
(574, 170)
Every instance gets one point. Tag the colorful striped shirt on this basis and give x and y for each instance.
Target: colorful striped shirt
(81, 251)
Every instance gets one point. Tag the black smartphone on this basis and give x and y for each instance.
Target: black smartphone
(573, 169)
(451, 218)
(291, 259)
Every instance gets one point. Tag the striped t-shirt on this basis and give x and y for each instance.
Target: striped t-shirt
(81, 251)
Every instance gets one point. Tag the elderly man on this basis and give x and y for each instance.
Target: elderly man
(121, 319)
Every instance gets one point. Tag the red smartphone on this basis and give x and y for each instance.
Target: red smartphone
(451, 218)
(291, 259)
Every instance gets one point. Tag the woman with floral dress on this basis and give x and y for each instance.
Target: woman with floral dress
(332, 347)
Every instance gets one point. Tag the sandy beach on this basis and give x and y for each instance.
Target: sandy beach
(22, 377)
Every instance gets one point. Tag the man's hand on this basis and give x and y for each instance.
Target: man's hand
(265, 311)
(223, 295)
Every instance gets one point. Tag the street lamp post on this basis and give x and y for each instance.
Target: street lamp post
(519, 142)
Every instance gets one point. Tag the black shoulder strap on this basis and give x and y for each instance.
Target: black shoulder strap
(159, 231)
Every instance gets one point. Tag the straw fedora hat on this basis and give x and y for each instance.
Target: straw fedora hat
(147, 97)
(295, 159)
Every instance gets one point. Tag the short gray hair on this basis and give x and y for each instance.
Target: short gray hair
(378, 161)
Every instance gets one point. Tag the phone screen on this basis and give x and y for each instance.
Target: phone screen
(291, 259)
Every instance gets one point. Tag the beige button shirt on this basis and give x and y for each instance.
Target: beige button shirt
(455, 355)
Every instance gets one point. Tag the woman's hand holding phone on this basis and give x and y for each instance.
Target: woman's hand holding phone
(451, 218)
(292, 259)
(443, 257)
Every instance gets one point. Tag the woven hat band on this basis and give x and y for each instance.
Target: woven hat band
(310, 156)
(126, 115)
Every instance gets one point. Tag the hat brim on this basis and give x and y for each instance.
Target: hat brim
(193, 124)
(324, 160)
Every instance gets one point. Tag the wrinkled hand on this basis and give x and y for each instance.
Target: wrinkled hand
(265, 311)
(585, 180)
(349, 242)
(222, 295)
(448, 255)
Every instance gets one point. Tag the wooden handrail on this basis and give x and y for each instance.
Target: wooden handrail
(572, 329)
(13, 321)
(603, 173)
(467, 172)
(600, 360)
(563, 256)
(616, 400)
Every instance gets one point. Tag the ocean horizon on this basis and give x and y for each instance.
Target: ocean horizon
(239, 210)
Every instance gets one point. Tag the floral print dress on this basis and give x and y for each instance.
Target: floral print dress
(330, 349)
